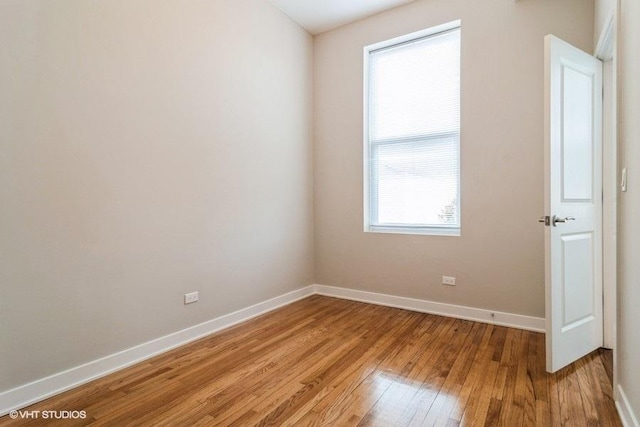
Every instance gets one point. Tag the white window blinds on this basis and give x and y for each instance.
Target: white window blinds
(413, 128)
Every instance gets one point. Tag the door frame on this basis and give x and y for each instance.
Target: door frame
(606, 51)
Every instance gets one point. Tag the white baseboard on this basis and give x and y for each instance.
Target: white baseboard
(528, 323)
(44, 388)
(41, 389)
(625, 411)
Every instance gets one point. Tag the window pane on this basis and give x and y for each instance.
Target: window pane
(414, 134)
(416, 182)
(415, 87)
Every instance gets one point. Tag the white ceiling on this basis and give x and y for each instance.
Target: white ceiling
(317, 16)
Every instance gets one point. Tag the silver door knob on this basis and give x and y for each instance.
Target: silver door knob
(557, 219)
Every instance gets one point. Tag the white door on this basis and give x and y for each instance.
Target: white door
(573, 203)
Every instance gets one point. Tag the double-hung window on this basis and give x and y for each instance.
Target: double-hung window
(412, 133)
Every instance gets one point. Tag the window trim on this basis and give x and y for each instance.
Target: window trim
(442, 230)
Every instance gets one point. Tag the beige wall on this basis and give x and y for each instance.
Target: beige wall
(628, 351)
(147, 149)
(498, 261)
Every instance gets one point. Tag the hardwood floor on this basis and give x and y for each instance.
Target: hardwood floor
(325, 361)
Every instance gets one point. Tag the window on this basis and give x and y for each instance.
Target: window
(412, 133)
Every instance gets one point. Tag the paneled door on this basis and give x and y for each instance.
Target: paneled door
(573, 203)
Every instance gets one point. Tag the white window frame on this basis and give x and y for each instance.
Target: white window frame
(443, 230)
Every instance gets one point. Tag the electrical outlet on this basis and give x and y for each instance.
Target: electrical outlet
(191, 297)
(448, 280)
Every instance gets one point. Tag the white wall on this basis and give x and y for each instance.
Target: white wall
(628, 351)
(498, 261)
(147, 148)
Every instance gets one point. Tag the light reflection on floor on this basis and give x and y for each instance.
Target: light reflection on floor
(403, 401)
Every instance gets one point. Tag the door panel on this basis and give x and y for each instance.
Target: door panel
(577, 127)
(578, 305)
(573, 201)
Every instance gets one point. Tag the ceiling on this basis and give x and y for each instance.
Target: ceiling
(317, 16)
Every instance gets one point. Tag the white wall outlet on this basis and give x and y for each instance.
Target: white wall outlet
(448, 280)
(191, 297)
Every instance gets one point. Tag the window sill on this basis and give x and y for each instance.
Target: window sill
(425, 231)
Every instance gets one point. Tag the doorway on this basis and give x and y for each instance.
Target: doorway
(606, 52)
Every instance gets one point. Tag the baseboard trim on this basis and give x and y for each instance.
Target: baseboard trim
(518, 321)
(625, 411)
(44, 388)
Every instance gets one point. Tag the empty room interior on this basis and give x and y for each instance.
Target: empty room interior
(320, 212)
